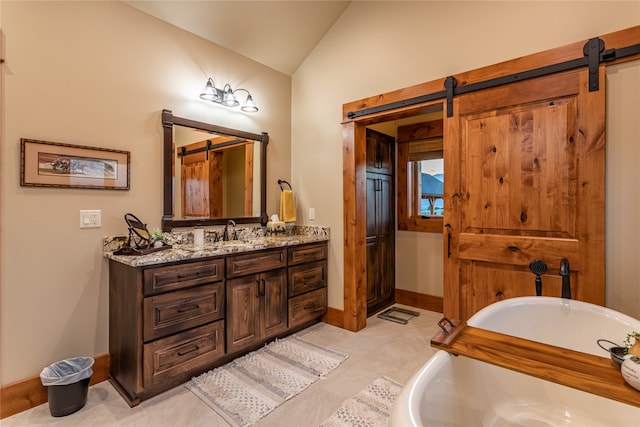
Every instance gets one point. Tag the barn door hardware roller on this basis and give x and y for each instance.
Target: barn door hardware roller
(450, 84)
(592, 51)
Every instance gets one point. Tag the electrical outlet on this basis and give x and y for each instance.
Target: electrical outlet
(312, 213)
(90, 218)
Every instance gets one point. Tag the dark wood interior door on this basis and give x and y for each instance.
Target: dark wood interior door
(380, 221)
(525, 182)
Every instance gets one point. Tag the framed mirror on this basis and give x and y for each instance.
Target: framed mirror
(212, 174)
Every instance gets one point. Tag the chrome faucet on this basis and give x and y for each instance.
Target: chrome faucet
(225, 235)
(566, 282)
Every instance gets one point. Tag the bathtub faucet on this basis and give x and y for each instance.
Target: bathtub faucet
(566, 282)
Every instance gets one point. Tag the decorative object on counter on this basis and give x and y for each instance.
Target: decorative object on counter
(370, 407)
(275, 226)
(287, 203)
(54, 164)
(140, 241)
(250, 387)
(631, 371)
(198, 236)
(632, 348)
(157, 237)
(617, 352)
(227, 96)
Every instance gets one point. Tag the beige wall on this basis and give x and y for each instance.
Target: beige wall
(622, 207)
(376, 47)
(99, 74)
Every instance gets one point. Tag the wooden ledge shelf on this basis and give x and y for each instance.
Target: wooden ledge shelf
(582, 371)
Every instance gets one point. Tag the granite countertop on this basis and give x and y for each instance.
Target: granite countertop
(185, 249)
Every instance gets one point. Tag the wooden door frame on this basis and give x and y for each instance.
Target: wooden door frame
(354, 316)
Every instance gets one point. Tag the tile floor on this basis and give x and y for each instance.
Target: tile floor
(382, 348)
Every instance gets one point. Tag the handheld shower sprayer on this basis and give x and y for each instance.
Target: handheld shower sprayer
(538, 267)
(566, 281)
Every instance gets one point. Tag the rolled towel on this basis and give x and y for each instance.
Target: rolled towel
(287, 206)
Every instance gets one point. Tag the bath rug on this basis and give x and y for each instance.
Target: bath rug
(369, 408)
(250, 387)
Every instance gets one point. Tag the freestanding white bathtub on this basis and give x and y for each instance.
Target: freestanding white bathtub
(458, 391)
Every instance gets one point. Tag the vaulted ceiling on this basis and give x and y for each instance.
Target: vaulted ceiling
(278, 34)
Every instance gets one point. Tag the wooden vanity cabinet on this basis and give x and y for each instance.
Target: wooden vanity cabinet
(170, 322)
(256, 298)
(165, 324)
(307, 283)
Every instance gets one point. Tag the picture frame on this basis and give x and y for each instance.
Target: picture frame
(55, 164)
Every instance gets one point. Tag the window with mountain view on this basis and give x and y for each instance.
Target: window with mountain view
(420, 177)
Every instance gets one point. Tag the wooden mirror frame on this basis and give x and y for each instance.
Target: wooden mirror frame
(168, 221)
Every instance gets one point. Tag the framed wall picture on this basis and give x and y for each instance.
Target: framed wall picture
(53, 164)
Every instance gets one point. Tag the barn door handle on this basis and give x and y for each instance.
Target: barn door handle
(448, 227)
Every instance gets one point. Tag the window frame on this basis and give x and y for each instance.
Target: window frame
(406, 135)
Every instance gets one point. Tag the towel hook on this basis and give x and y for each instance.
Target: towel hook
(282, 181)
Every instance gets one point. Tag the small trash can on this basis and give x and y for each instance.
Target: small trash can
(67, 384)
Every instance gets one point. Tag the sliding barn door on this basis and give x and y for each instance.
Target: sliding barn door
(201, 180)
(524, 183)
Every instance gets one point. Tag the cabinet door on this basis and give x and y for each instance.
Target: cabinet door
(256, 308)
(243, 308)
(274, 309)
(379, 152)
(386, 239)
(380, 241)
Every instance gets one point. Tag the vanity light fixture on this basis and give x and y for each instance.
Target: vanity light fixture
(227, 96)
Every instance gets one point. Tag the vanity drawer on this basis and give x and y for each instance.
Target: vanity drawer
(175, 311)
(307, 306)
(174, 277)
(307, 253)
(307, 277)
(184, 354)
(255, 262)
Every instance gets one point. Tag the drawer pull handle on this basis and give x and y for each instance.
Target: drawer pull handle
(188, 276)
(310, 306)
(309, 277)
(191, 350)
(192, 307)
